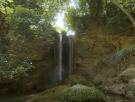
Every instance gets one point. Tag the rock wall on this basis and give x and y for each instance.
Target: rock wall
(94, 61)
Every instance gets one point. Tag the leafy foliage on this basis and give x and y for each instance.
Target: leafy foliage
(28, 24)
(80, 93)
(4, 8)
(12, 68)
(123, 54)
(28, 35)
(77, 21)
(121, 20)
(32, 19)
(95, 13)
(85, 13)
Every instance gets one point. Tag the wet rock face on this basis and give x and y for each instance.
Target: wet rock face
(127, 75)
(124, 86)
(65, 44)
(119, 89)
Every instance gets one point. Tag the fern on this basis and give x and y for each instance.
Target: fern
(80, 93)
(122, 55)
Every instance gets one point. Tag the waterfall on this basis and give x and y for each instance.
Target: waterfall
(71, 55)
(64, 58)
(60, 58)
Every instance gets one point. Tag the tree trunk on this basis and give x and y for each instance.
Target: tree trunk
(125, 12)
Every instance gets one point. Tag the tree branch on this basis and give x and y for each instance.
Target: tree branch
(125, 12)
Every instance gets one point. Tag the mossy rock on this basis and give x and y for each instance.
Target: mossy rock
(76, 79)
(81, 93)
(37, 99)
(49, 95)
(133, 91)
(76, 93)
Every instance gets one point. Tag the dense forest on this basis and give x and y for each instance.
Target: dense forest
(67, 50)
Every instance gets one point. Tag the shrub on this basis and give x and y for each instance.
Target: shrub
(123, 54)
(12, 68)
(81, 93)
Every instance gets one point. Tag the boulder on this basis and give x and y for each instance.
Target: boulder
(127, 74)
(118, 89)
(121, 90)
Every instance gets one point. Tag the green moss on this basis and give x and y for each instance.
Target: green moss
(49, 95)
(76, 79)
(133, 92)
(76, 93)
(81, 93)
(37, 99)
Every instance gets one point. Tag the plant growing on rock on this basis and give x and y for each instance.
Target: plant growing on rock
(123, 54)
(81, 93)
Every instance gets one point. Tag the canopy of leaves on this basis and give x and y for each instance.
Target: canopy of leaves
(28, 24)
(29, 34)
(93, 13)
(32, 18)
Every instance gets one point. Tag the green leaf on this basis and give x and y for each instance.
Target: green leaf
(10, 1)
(7, 10)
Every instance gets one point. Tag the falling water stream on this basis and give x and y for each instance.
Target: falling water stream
(60, 58)
(61, 25)
(61, 70)
(71, 56)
